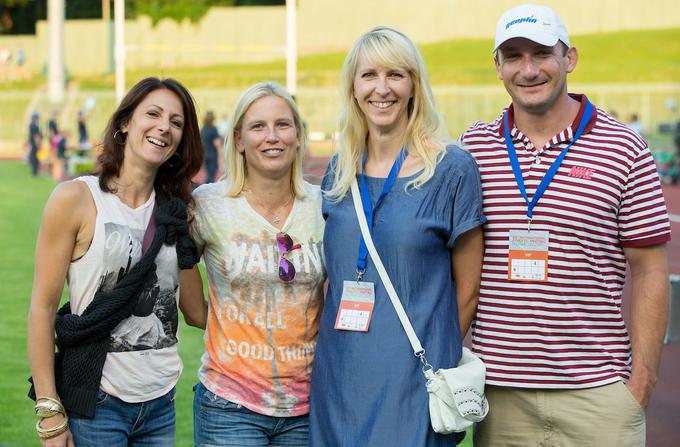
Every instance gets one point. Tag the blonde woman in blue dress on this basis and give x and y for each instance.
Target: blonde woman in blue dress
(367, 386)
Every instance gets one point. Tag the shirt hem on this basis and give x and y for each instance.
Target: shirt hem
(257, 408)
(646, 242)
(620, 377)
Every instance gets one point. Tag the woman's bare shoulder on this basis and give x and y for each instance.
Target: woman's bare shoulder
(69, 202)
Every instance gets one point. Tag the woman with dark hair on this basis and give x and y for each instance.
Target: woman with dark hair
(119, 239)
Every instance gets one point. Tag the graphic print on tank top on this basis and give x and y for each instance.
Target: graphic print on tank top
(153, 323)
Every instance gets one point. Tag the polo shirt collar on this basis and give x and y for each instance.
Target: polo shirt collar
(561, 137)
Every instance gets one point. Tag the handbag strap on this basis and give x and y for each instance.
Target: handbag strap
(150, 231)
(396, 302)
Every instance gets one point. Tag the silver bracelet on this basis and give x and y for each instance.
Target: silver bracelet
(48, 406)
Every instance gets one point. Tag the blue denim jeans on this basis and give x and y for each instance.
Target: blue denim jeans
(219, 422)
(122, 424)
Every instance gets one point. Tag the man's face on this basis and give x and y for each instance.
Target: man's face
(534, 75)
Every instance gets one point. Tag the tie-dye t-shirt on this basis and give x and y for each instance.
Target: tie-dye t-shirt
(261, 332)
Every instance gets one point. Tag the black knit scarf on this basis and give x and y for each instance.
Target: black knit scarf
(83, 340)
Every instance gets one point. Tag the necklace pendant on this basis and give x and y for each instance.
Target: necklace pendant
(276, 220)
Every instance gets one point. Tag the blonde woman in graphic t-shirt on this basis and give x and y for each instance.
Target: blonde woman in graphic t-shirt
(260, 232)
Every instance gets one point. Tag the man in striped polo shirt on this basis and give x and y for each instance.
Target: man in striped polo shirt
(571, 196)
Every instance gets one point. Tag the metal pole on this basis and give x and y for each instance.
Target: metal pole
(55, 67)
(108, 23)
(119, 26)
(291, 47)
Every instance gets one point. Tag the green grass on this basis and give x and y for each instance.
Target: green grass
(22, 199)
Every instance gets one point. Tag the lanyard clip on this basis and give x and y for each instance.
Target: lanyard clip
(529, 224)
(360, 274)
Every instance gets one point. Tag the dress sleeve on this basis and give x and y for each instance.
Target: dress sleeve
(643, 217)
(327, 183)
(467, 197)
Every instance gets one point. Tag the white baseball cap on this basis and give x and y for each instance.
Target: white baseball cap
(534, 22)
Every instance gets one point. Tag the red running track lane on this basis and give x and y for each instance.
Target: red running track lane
(663, 413)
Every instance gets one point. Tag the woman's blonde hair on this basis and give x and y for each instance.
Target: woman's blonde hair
(236, 167)
(425, 133)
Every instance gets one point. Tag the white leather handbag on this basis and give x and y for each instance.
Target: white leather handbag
(456, 394)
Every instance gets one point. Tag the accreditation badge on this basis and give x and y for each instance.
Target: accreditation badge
(528, 256)
(356, 306)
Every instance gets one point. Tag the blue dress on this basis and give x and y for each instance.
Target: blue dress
(367, 387)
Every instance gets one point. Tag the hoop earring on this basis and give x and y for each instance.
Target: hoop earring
(177, 160)
(120, 137)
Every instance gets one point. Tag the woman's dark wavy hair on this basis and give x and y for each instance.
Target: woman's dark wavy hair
(170, 181)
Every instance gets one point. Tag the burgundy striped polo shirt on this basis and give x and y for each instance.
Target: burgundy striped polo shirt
(567, 332)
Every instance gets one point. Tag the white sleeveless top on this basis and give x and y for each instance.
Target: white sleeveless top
(142, 362)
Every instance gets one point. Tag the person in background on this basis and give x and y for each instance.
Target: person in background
(426, 221)
(5, 60)
(636, 125)
(572, 196)
(52, 124)
(57, 142)
(223, 126)
(211, 144)
(82, 131)
(53, 132)
(260, 233)
(119, 239)
(35, 137)
(62, 139)
(20, 70)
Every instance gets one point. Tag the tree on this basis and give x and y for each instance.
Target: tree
(177, 10)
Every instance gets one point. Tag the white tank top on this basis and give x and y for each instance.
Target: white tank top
(142, 362)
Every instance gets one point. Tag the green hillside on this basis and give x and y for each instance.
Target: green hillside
(623, 57)
(639, 56)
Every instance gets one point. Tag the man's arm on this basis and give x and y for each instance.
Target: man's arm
(648, 316)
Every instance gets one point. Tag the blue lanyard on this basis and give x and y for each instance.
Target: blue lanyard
(543, 186)
(368, 206)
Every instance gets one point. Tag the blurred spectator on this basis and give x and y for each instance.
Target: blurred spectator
(211, 144)
(635, 124)
(614, 114)
(34, 143)
(82, 131)
(676, 139)
(676, 165)
(61, 146)
(223, 126)
(53, 130)
(5, 58)
(57, 137)
(20, 62)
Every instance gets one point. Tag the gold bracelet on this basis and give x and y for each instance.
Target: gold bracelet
(46, 433)
(48, 408)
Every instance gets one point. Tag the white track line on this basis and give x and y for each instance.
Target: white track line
(674, 218)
